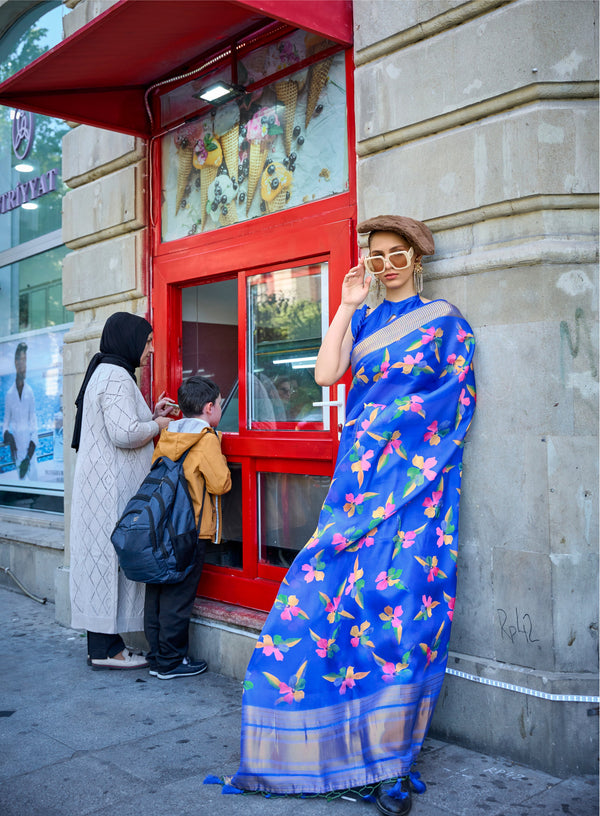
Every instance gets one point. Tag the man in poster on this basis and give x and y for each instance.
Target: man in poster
(20, 424)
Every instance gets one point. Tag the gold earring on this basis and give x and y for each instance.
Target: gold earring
(418, 277)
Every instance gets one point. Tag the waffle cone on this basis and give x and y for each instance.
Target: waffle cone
(258, 154)
(287, 92)
(184, 168)
(207, 176)
(317, 78)
(231, 217)
(230, 144)
(277, 203)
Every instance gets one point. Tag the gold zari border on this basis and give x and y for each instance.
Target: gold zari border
(402, 326)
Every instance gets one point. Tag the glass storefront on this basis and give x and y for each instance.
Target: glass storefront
(33, 320)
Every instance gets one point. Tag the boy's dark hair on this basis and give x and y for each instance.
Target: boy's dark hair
(21, 349)
(194, 393)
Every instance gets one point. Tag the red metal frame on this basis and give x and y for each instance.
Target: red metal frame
(315, 232)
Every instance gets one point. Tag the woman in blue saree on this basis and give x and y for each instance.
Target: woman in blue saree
(342, 685)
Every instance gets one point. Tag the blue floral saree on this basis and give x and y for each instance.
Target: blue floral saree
(342, 685)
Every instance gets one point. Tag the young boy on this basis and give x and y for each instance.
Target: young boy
(168, 607)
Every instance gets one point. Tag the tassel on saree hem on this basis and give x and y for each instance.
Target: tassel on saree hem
(366, 793)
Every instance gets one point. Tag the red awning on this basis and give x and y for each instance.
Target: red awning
(99, 75)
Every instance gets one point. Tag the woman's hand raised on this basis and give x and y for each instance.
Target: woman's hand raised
(355, 286)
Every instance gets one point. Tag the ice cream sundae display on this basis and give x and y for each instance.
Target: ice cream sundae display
(184, 143)
(275, 186)
(208, 157)
(287, 139)
(261, 132)
(221, 204)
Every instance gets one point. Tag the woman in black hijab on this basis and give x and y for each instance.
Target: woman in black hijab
(113, 434)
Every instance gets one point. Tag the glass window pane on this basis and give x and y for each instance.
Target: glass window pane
(285, 325)
(289, 506)
(229, 552)
(277, 147)
(32, 293)
(31, 189)
(276, 56)
(210, 341)
(35, 32)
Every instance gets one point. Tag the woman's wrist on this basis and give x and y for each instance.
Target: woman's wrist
(346, 310)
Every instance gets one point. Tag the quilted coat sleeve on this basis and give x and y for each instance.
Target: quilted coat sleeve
(122, 405)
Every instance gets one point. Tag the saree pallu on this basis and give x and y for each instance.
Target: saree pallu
(345, 675)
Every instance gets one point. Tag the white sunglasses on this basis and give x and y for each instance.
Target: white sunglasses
(375, 264)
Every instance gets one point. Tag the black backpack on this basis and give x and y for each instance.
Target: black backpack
(156, 538)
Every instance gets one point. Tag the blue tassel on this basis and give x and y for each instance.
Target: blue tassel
(417, 784)
(231, 789)
(212, 780)
(396, 792)
(369, 798)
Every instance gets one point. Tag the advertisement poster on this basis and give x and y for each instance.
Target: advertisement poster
(31, 412)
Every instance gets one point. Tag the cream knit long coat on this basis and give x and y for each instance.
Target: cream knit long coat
(114, 456)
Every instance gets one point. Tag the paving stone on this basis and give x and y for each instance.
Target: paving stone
(84, 743)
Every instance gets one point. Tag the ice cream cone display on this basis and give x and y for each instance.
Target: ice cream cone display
(253, 155)
(287, 93)
(227, 129)
(258, 154)
(275, 186)
(184, 168)
(184, 140)
(230, 143)
(318, 74)
(208, 157)
(207, 176)
(279, 202)
(261, 132)
(226, 219)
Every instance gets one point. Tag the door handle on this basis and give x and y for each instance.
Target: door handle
(339, 403)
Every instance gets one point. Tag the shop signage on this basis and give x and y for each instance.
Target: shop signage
(34, 188)
(23, 132)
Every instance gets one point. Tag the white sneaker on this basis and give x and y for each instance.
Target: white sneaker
(129, 661)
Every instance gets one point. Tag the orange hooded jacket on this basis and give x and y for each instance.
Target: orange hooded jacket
(204, 465)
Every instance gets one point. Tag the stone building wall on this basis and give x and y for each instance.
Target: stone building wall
(481, 119)
(104, 224)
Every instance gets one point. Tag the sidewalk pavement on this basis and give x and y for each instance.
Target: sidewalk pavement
(76, 742)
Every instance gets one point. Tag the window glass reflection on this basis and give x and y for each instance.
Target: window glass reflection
(229, 552)
(210, 341)
(285, 326)
(289, 506)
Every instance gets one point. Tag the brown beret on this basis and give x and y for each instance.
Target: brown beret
(415, 232)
